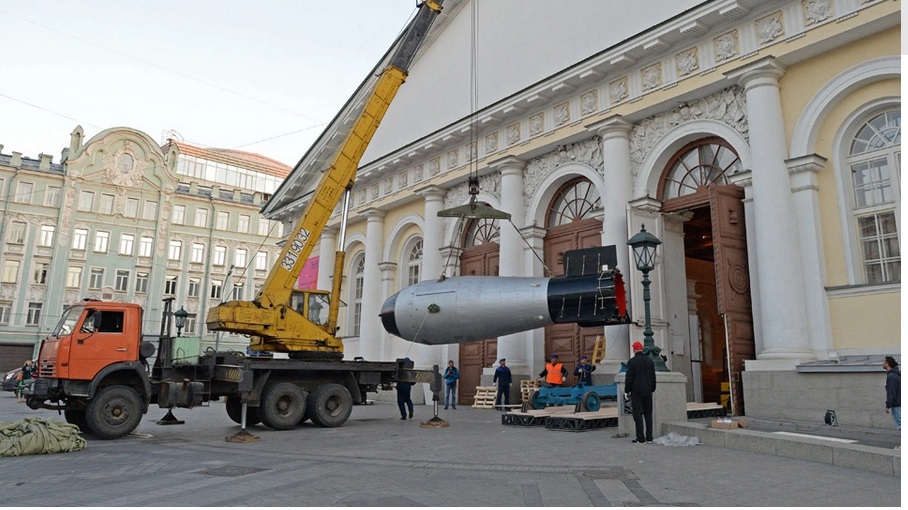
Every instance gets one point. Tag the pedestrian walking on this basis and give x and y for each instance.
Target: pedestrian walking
(584, 371)
(451, 376)
(28, 369)
(503, 378)
(893, 392)
(404, 402)
(554, 372)
(639, 384)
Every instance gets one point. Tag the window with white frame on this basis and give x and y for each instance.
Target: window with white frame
(414, 263)
(46, 237)
(127, 241)
(201, 217)
(198, 253)
(194, 287)
(96, 278)
(52, 196)
(74, 277)
(39, 275)
(150, 212)
(239, 257)
(131, 208)
(176, 247)
(142, 282)
(189, 325)
(16, 232)
(264, 227)
(86, 201)
(217, 287)
(106, 204)
(357, 291)
(10, 271)
(24, 193)
(179, 215)
(874, 160)
(122, 281)
(261, 261)
(220, 256)
(34, 314)
(146, 246)
(102, 241)
(6, 308)
(80, 238)
(223, 220)
(242, 224)
(237, 292)
(170, 286)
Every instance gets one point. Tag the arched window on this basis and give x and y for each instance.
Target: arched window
(874, 159)
(414, 263)
(698, 165)
(576, 200)
(359, 263)
(481, 231)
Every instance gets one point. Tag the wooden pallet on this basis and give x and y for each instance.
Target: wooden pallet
(527, 388)
(704, 410)
(484, 397)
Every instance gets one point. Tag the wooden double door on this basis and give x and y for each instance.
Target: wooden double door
(481, 260)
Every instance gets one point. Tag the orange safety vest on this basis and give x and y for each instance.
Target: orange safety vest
(553, 373)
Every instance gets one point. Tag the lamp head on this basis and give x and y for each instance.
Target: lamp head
(644, 245)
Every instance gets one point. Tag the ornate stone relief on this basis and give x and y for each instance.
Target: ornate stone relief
(651, 76)
(69, 198)
(402, 179)
(362, 197)
(129, 175)
(435, 166)
(617, 90)
(492, 142)
(459, 194)
(726, 46)
(417, 173)
(537, 124)
(727, 106)
(562, 113)
(452, 159)
(389, 186)
(375, 191)
(687, 61)
(770, 28)
(589, 102)
(588, 152)
(512, 134)
(471, 151)
(815, 11)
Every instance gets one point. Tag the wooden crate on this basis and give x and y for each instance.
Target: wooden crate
(484, 397)
(527, 387)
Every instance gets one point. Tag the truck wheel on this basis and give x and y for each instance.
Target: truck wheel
(536, 401)
(114, 412)
(283, 406)
(330, 405)
(590, 401)
(235, 412)
(76, 418)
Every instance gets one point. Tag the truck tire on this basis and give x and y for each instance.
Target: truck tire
(330, 405)
(76, 417)
(235, 412)
(590, 401)
(114, 412)
(283, 406)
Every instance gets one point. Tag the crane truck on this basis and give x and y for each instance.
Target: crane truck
(96, 368)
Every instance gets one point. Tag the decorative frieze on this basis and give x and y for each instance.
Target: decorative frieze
(815, 11)
(417, 173)
(492, 142)
(687, 61)
(726, 46)
(618, 90)
(512, 134)
(562, 113)
(435, 166)
(770, 28)
(651, 76)
(459, 194)
(537, 124)
(587, 152)
(589, 102)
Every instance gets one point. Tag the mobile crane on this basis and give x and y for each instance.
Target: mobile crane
(94, 367)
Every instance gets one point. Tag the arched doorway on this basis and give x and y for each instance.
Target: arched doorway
(479, 258)
(571, 224)
(720, 321)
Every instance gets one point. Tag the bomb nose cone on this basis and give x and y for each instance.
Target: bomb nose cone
(388, 320)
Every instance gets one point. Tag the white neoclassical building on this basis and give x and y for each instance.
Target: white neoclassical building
(759, 140)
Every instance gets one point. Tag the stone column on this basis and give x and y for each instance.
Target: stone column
(432, 230)
(510, 254)
(327, 251)
(618, 189)
(782, 297)
(805, 190)
(370, 324)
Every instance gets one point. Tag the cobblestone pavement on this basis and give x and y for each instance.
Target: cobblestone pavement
(376, 459)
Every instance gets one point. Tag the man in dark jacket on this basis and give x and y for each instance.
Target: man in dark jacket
(584, 371)
(404, 402)
(640, 383)
(893, 390)
(503, 378)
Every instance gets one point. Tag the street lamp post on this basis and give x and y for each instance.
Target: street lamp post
(644, 245)
(180, 319)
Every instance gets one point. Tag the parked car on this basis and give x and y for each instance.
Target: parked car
(11, 379)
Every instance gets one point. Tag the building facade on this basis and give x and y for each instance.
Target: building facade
(759, 140)
(123, 218)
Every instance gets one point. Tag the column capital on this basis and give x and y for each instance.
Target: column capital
(765, 71)
(508, 164)
(809, 163)
(387, 267)
(743, 179)
(432, 191)
(646, 203)
(611, 127)
(373, 214)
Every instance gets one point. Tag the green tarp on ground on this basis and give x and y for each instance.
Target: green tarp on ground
(31, 436)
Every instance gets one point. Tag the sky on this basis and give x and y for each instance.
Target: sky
(263, 77)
